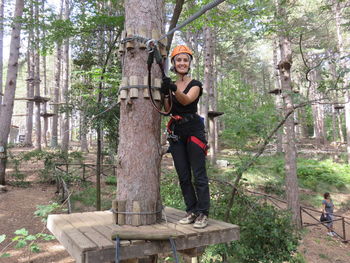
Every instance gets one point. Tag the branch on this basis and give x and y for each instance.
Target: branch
(174, 20)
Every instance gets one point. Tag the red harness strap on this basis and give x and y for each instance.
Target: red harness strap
(172, 119)
(199, 143)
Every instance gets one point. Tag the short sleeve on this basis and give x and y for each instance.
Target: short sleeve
(199, 84)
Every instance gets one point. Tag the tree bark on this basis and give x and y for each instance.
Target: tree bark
(65, 126)
(10, 88)
(139, 150)
(46, 94)
(2, 5)
(37, 81)
(290, 148)
(56, 99)
(317, 109)
(338, 18)
(30, 83)
(284, 67)
(278, 100)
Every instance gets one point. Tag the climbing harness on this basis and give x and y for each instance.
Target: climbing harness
(199, 143)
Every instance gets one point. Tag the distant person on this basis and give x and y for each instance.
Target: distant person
(327, 209)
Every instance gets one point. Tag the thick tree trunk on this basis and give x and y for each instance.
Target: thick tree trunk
(30, 84)
(10, 88)
(139, 150)
(65, 126)
(2, 5)
(37, 81)
(290, 148)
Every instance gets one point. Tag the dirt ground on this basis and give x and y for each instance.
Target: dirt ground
(17, 207)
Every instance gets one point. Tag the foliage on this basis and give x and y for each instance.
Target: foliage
(87, 197)
(111, 180)
(248, 118)
(49, 158)
(44, 210)
(319, 175)
(266, 234)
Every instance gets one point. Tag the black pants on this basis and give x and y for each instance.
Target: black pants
(189, 158)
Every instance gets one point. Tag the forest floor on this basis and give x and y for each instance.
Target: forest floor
(17, 207)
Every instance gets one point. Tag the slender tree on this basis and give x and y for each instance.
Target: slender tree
(284, 66)
(30, 80)
(10, 88)
(2, 5)
(37, 79)
(65, 58)
(56, 93)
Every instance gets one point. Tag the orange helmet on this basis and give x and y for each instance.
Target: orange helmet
(181, 49)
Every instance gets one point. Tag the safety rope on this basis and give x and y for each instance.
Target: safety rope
(154, 54)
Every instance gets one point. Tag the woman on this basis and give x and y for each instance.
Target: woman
(327, 209)
(187, 137)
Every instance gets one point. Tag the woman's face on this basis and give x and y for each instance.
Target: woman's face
(182, 63)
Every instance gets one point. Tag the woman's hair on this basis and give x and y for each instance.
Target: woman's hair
(326, 195)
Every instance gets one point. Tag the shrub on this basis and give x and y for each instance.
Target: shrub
(266, 235)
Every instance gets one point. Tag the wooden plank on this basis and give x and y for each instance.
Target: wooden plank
(121, 208)
(72, 240)
(81, 222)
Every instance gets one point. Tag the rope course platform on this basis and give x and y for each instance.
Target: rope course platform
(214, 114)
(47, 114)
(35, 99)
(88, 236)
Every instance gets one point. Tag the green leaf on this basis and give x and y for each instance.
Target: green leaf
(5, 255)
(35, 248)
(2, 238)
(21, 243)
(22, 231)
(30, 238)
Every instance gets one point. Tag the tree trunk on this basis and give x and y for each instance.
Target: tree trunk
(83, 133)
(278, 101)
(65, 126)
(10, 88)
(208, 68)
(56, 99)
(139, 150)
(46, 94)
(2, 4)
(30, 83)
(317, 109)
(290, 148)
(37, 81)
(284, 67)
(343, 66)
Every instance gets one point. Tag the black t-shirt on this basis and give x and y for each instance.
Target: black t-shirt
(179, 109)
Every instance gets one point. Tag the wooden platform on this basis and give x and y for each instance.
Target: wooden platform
(87, 236)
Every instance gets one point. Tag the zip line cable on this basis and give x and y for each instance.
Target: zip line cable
(193, 17)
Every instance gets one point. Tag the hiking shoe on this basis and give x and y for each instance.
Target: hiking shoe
(188, 219)
(330, 234)
(201, 221)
